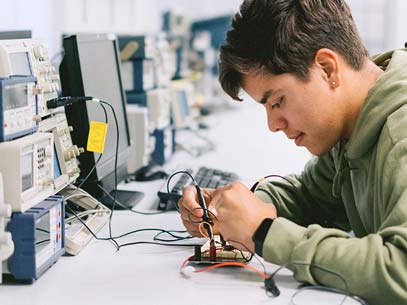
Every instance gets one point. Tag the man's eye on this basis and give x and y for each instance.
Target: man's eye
(277, 104)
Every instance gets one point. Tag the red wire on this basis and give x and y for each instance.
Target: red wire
(185, 262)
(225, 264)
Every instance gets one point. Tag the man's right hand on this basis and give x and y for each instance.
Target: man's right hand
(191, 211)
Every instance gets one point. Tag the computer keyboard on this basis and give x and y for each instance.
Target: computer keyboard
(204, 176)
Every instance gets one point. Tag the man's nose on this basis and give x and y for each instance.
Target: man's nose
(276, 122)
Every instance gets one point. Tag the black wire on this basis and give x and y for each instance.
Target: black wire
(168, 186)
(208, 223)
(329, 289)
(252, 254)
(96, 163)
(311, 265)
(247, 260)
(89, 229)
(191, 213)
(41, 242)
(321, 268)
(161, 231)
(254, 186)
(115, 170)
(175, 237)
(42, 230)
(345, 292)
(111, 238)
(157, 243)
(88, 175)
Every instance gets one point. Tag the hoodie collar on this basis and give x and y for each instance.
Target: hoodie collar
(386, 96)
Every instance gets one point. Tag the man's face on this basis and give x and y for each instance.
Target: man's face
(309, 112)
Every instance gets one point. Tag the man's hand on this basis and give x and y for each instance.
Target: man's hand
(191, 211)
(239, 212)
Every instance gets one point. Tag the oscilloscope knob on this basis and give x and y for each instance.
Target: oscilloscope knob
(68, 155)
(49, 88)
(48, 151)
(37, 118)
(48, 182)
(38, 89)
(39, 52)
(77, 151)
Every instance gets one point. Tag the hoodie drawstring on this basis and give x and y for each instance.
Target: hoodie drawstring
(342, 170)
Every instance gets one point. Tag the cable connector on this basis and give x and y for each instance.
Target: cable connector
(68, 100)
(271, 287)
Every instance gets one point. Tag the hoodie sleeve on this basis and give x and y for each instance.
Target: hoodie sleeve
(374, 266)
(307, 198)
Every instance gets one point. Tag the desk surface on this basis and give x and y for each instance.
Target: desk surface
(149, 274)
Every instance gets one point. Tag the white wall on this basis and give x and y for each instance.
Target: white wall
(382, 23)
(37, 16)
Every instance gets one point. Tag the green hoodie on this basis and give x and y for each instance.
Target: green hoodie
(359, 186)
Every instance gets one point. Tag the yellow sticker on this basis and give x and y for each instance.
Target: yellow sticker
(97, 137)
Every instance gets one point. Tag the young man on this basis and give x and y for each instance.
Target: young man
(303, 60)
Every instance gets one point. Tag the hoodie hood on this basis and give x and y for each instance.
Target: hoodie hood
(386, 96)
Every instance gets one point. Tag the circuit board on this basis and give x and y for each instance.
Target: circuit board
(218, 252)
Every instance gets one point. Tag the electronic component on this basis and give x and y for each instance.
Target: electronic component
(79, 78)
(141, 141)
(215, 252)
(29, 164)
(6, 242)
(14, 58)
(164, 145)
(38, 235)
(138, 75)
(94, 214)
(18, 107)
(66, 169)
(158, 103)
(30, 57)
(42, 68)
(183, 100)
(165, 62)
(180, 108)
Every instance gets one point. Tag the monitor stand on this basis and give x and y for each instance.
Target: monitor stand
(125, 200)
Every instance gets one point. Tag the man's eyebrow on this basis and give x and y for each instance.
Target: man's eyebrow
(266, 95)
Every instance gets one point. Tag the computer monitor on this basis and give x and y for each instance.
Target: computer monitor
(91, 67)
(180, 108)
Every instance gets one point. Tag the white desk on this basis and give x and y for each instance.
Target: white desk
(149, 274)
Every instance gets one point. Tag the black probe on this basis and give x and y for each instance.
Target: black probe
(205, 216)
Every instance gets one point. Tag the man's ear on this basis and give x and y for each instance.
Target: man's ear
(328, 61)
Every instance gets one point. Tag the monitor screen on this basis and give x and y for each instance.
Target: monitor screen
(100, 79)
(20, 63)
(91, 67)
(183, 101)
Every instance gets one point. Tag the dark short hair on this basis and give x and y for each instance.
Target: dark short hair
(283, 36)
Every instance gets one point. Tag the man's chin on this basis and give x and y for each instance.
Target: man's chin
(317, 151)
